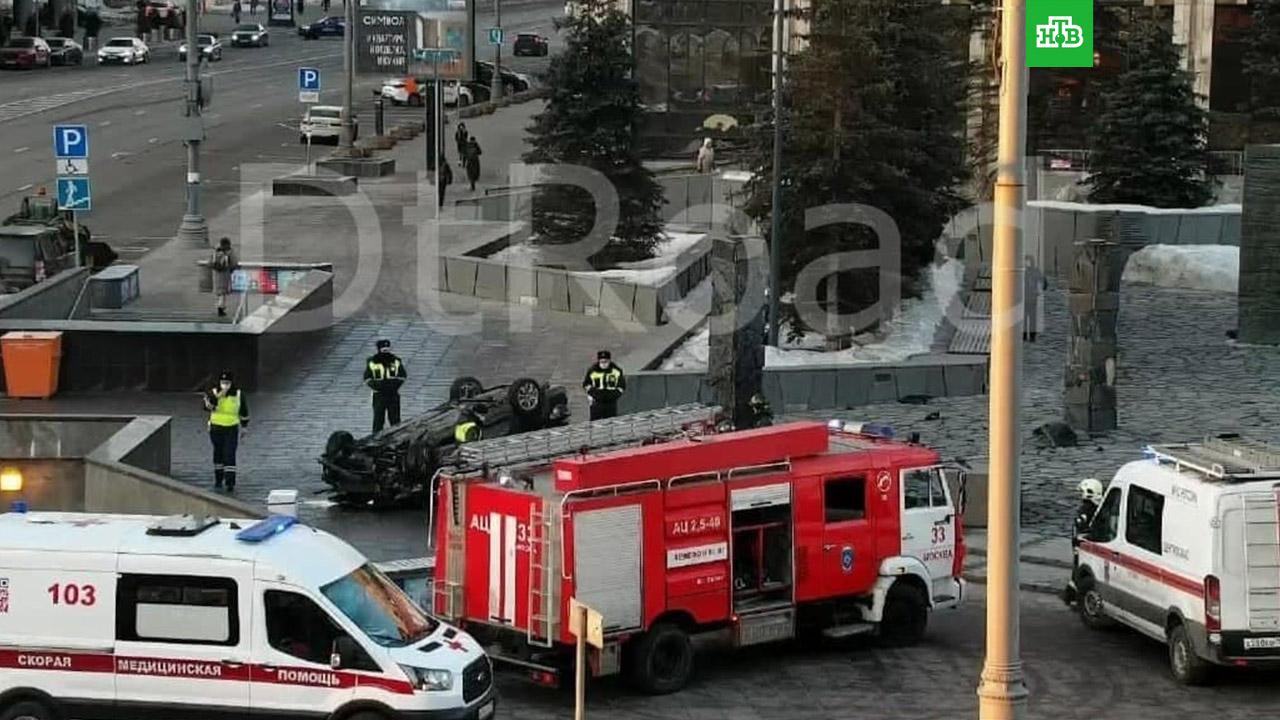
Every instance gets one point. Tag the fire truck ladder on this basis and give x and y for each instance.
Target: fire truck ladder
(544, 609)
(1224, 457)
(1262, 560)
(449, 588)
(623, 430)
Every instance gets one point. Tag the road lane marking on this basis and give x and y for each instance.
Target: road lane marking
(152, 141)
(104, 123)
(26, 187)
(139, 112)
(22, 149)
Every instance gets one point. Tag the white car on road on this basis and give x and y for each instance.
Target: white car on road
(324, 122)
(397, 91)
(127, 50)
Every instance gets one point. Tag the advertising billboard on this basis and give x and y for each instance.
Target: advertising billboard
(429, 24)
(384, 41)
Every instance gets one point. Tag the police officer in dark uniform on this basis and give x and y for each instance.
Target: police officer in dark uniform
(1090, 498)
(604, 384)
(384, 373)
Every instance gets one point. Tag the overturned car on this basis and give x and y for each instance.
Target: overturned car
(397, 464)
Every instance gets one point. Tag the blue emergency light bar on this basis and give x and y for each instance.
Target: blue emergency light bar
(266, 529)
(878, 430)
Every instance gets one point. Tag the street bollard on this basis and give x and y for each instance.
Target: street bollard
(377, 116)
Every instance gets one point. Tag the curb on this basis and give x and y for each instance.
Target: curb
(1032, 559)
(1040, 588)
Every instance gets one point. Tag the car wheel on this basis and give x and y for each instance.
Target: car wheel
(527, 398)
(905, 616)
(1187, 667)
(464, 99)
(28, 710)
(661, 661)
(1091, 605)
(465, 388)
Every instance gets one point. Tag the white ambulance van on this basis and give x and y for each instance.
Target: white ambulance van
(1185, 548)
(135, 617)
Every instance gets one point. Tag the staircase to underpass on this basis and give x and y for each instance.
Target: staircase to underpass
(966, 329)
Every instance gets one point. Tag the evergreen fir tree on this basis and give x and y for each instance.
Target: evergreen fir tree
(589, 121)
(1150, 143)
(873, 114)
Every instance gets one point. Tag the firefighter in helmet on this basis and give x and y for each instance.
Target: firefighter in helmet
(1090, 499)
(761, 413)
(469, 427)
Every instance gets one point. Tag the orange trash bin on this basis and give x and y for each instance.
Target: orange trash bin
(31, 363)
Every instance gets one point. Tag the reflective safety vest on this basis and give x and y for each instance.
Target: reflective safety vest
(466, 432)
(605, 379)
(382, 372)
(227, 412)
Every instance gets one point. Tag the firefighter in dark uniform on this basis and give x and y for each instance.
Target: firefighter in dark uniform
(604, 384)
(228, 413)
(384, 374)
(761, 413)
(469, 427)
(1090, 498)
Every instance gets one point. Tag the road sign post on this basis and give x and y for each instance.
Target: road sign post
(308, 85)
(495, 36)
(587, 625)
(71, 168)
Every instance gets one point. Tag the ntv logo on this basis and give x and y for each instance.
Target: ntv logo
(1059, 33)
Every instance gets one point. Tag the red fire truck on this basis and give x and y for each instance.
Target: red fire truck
(767, 533)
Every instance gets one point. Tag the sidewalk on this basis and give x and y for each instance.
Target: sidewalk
(1045, 565)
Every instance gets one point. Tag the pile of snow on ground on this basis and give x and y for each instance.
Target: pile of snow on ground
(650, 272)
(909, 333)
(1215, 268)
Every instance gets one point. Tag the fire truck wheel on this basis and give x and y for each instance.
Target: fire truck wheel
(28, 710)
(367, 715)
(1187, 667)
(465, 387)
(662, 660)
(906, 614)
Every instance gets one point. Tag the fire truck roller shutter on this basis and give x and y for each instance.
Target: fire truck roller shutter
(606, 549)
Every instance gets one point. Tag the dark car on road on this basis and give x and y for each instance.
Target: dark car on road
(165, 14)
(250, 35)
(531, 44)
(512, 82)
(399, 462)
(65, 51)
(25, 52)
(324, 27)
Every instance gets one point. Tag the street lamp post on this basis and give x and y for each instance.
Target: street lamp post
(193, 230)
(775, 233)
(1002, 695)
(348, 139)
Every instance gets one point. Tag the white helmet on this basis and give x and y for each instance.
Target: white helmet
(1091, 489)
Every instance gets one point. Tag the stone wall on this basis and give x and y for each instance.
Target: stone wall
(1259, 295)
(53, 299)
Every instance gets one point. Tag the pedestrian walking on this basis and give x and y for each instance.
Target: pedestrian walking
(1033, 288)
(706, 159)
(300, 6)
(446, 179)
(384, 373)
(228, 415)
(221, 264)
(235, 12)
(473, 161)
(253, 7)
(324, 5)
(460, 138)
(604, 385)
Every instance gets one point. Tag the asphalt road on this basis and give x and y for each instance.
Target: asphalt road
(137, 160)
(1072, 674)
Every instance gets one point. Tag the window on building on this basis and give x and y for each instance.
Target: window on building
(298, 627)
(1144, 519)
(845, 499)
(187, 609)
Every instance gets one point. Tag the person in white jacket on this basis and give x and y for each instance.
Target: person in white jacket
(706, 160)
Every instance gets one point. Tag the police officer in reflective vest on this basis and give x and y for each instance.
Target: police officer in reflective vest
(469, 428)
(384, 374)
(228, 413)
(604, 384)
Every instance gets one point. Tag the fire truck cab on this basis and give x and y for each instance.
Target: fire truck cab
(765, 533)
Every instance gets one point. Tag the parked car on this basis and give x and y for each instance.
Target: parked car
(250, 34)
(324, 27)
(65, 51)
(127, 50)
(324, 122)
(531, 44)
(210, 48)
(397, 92)
(25, 52)
(512, 82)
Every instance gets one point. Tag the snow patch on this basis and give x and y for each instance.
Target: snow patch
(1215, 268)
(650, 272)
(908, 333)
(1225, 208)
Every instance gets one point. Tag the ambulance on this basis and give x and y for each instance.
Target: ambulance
(769, 534)
(1185, 548)
(134, 617)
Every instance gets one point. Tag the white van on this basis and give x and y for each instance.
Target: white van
(1185, 548)
(125, 616)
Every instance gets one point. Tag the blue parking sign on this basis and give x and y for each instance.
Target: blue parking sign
(70, 141)
(73, 194)
(308, 79)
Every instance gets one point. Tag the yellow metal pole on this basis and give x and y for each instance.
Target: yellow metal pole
(1002, 695)
(580, 667)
